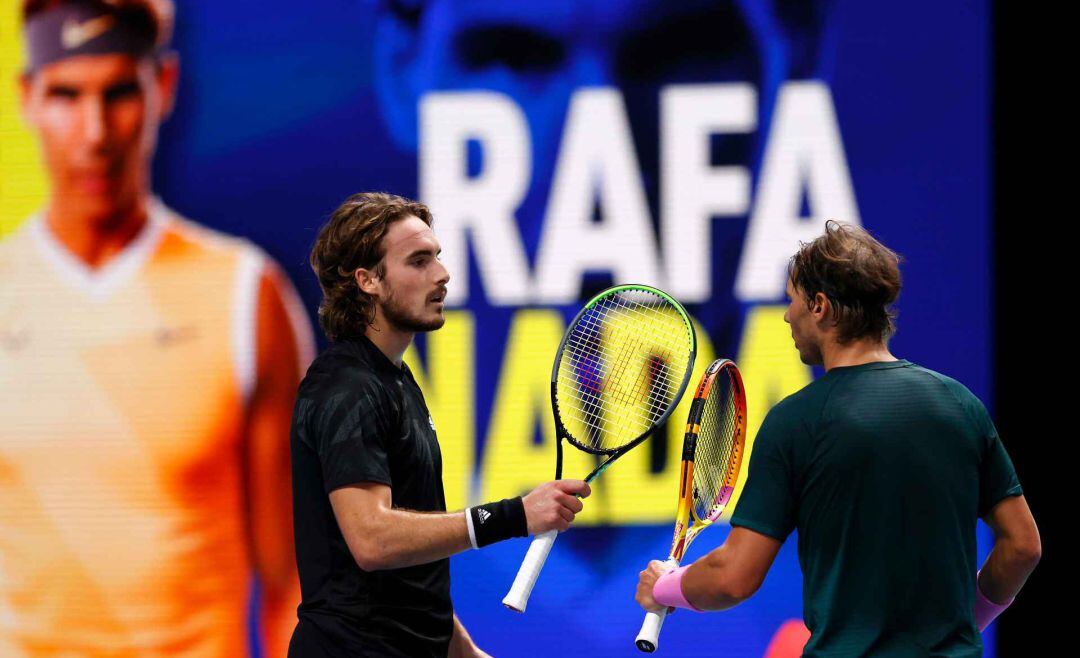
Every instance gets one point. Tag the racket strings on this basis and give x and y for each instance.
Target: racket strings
(714, 454)
(639, 343)
(643, 408)
(621, 368)
(656, 401)
(592, 329)
(656, 368)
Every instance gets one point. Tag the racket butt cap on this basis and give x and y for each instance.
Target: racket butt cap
(649, 637)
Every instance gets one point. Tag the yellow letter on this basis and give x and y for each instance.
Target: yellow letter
(630, 492)
(512, 464)
(771, 371)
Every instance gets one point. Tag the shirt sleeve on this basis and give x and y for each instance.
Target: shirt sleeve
(997, 477)
(767, 503)
(351, 435)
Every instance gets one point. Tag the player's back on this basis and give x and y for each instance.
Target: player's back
(891, 466)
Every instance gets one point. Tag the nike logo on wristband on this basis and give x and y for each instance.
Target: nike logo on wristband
(74, 34)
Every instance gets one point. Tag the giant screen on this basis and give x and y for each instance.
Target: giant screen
(567, 145)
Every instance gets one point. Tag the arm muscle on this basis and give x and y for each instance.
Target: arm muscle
(382, 537)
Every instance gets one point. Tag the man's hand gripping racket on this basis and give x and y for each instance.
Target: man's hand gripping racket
(712, 456)
(621, 368)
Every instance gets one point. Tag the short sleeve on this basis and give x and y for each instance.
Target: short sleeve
(997, 477)
(767, 503)
(351, 431)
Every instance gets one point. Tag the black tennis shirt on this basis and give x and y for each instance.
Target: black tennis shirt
(359, 418)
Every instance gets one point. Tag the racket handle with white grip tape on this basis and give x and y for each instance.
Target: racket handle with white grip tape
(518, 596)
(649, 636)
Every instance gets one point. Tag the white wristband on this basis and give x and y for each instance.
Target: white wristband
(468, 522)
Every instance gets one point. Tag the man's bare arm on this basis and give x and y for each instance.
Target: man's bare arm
(1017, 550)
(383, 537)
(283, 348)
(730, 574)
(724, 578)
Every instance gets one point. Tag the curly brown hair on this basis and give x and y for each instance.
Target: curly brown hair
(859, 276)
(351, 240)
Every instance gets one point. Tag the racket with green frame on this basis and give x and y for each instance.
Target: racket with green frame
(622, 366)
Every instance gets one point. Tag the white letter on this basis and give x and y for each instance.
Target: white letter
(804, 149)
(596, 155)
(692, 191)
(482, 206)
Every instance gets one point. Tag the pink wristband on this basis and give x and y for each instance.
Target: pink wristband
(668, 590)
(986, 610)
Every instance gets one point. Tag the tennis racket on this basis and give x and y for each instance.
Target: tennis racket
(622, 366)
(713, 449)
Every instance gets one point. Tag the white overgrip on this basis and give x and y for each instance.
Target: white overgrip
(649, 636)
(518, 596)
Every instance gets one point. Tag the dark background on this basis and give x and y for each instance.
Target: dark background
(1032, 295)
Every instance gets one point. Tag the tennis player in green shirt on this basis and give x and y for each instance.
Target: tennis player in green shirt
(883, 467)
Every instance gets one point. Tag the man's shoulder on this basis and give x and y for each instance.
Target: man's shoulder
(944, 384)
(804, 402)
(796, 414)
(941, 379)
(972, 406)
(184, 236)
(341, 367)
(341, 387)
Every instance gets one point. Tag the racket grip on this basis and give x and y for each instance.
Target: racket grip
(518, 596)
(649, 636)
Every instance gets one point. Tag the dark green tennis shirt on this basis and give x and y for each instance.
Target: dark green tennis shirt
(883, 468)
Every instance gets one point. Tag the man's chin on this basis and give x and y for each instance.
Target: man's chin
(432, 325)
(99, 207)
(417, 325)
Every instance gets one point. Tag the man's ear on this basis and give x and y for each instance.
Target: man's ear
(167, 78)
(26, 83)
(368, 281)
(820, 307)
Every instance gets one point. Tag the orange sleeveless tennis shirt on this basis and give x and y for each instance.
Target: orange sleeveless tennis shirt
(122, 402)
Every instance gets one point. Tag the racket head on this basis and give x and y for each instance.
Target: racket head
(621, 368)
(713, 448)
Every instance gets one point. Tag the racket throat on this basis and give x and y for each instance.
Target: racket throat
(558, 458)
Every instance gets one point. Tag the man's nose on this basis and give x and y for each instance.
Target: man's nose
(94, 121)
